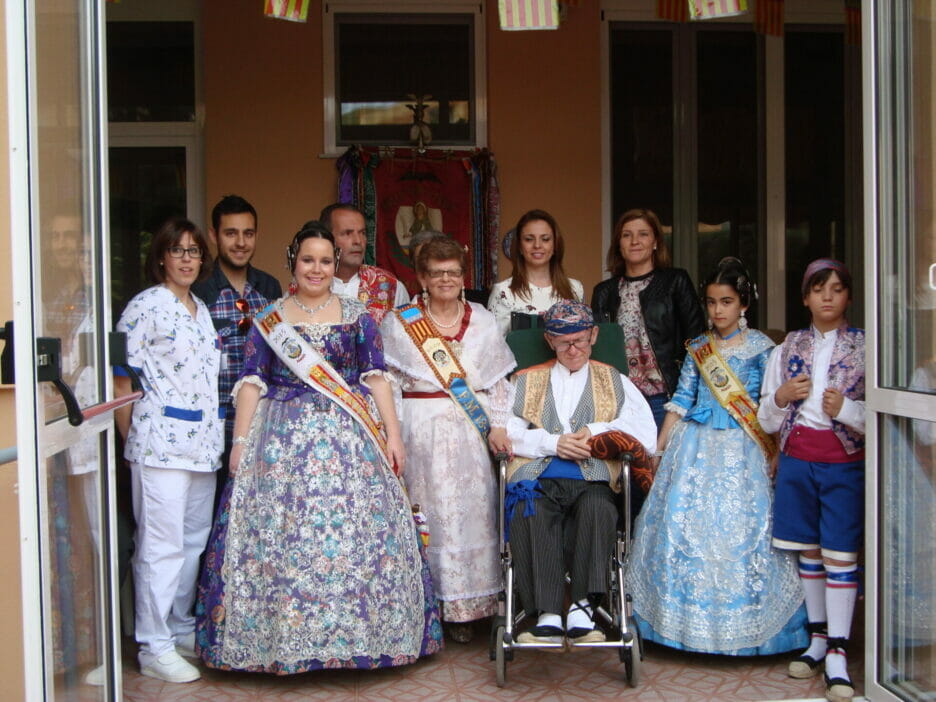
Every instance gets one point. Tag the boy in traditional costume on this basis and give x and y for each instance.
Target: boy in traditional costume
(814, 396)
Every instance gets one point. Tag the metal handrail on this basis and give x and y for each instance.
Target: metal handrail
(7, 455)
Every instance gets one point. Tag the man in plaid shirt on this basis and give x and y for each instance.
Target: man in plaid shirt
(234, 292)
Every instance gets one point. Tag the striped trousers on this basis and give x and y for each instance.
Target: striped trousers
(573, 530)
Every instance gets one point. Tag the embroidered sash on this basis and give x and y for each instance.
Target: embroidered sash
(377, 290)
(444, 364)
(309, 365)
(729, 391)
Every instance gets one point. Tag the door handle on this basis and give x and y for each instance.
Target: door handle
(117, 343)
(49, 370)
(7, 375)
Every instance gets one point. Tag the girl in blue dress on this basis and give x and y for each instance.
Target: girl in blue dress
(702, 572)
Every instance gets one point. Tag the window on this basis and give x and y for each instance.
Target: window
(379, 64)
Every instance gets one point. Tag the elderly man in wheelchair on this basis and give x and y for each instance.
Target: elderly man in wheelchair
(561, 506)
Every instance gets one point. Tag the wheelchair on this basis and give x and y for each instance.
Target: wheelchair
(615, 612)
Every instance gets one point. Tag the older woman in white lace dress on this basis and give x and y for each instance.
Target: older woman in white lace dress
(448, 427)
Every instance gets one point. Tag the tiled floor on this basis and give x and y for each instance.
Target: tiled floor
(465, 673)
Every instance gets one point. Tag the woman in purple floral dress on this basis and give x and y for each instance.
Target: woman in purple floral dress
(314, 561)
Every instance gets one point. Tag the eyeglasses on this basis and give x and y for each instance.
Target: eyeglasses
(454, 273)
(242, 306)
(180, 251)
(580, 344)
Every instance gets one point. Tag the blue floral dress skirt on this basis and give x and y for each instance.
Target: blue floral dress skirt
(314, 560)
(702, 572)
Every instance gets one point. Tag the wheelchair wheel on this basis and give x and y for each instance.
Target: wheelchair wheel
(500, 660)
(496, 626)
(631, 658)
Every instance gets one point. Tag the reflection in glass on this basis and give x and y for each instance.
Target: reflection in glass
(908, 470)
(815, 151)
(727, 137)
(150, 75)
(907, 270)
(74, 548)
(642, 121)
(383, 59)
(148, 187)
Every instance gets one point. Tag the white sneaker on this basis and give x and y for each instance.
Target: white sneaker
(185, 645)
(95, 676)
(172, 668)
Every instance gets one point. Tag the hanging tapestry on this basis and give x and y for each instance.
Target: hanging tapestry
(402, 192)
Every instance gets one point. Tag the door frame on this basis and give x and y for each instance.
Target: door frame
(37, 440)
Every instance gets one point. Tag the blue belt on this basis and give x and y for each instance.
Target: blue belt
(188, 415)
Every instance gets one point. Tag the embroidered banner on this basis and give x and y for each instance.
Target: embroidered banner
(710, 9)
(292, 10)
(768, 17)
(673, 10)
(402, 192)
(853, 22)
(528, 14)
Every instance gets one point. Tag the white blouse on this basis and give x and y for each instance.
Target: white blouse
(503, 301)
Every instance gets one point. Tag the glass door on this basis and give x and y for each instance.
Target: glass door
(61, 349)
(683, 129)
(901, 349)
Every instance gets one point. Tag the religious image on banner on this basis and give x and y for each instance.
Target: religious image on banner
(415, 218)
(402, 192)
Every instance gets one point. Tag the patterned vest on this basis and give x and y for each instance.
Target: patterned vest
(601, 401)
(377, 291)
(846, 374)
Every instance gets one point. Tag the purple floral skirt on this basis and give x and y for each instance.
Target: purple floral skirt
(314, 560)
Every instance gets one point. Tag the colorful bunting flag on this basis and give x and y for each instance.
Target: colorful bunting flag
(673, 10)
(853, 22)
(709, 9)
(768, 17)
(292, 10)
(528, 14)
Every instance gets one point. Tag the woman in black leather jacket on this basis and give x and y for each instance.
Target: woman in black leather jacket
(656, 304)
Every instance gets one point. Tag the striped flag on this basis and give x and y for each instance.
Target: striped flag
(673, 10)
(292, 10)
(853, 22)
(768, 18)
(709, 9)
(528, 14)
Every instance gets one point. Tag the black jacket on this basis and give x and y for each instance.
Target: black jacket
(210, 288)
(671, 311)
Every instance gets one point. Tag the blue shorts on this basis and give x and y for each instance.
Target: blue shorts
(819, 505)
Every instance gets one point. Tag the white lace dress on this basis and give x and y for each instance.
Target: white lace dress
(503, 301)
(448, 466)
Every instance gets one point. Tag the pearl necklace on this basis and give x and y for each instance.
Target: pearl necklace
(312, 310)
(445, 326)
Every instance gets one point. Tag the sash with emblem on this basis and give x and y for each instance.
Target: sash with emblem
(309, 365)
(444, 364)
(729, 391)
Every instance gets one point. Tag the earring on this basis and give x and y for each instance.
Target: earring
(742, 323)
(710, 323)
(425, 296)
(463, 298)
(293, 286)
